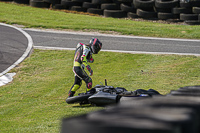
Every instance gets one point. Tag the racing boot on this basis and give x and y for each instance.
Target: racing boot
(71, 93)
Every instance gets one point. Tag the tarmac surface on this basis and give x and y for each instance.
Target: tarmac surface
(15, 46)
(63, 40)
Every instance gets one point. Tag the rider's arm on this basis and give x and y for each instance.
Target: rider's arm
(86, 51)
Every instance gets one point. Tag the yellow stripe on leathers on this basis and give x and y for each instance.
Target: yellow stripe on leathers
(75, 87)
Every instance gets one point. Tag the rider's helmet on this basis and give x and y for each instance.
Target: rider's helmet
(95, 45)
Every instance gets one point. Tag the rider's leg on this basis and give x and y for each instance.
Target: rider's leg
(75, 87)
(81, 75)
(88, 82)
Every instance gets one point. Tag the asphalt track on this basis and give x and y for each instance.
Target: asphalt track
(16, 44)
(52, 39)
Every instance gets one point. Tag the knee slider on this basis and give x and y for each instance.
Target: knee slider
(89, 85)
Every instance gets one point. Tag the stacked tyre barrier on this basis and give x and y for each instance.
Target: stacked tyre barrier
(167, 10)
(177, 112)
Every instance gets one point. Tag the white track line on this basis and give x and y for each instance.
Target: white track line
(27, 51)
(110, 35)
(120, 51)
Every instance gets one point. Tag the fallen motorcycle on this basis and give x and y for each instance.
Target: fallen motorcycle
(102, 95)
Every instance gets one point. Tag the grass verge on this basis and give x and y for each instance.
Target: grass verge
(45, 18)
(35, 100)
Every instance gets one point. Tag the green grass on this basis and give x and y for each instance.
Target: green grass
(35, 100)
(45, 18)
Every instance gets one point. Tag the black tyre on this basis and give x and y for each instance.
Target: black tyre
(188, 16)
(193, 22)
(82, 1)
(115, 13)
(185, 5)
(78, 8)
(123, 1)
(183, 92)
(101, 1)
(166, 3)
(146, 14)
(110, 6)
(59, 6)
(127, 8)
(196, 10)
(179, 10)
(53, 1)
(174, 20)
(132, 15)
(142, 120)
(195, 3)
(70, 3)
(167, 101)
(22, 1)
(7, 0)
(95, 11)
(83, 124)
(144, 4)
(89, 5)
(165, 10)
(164, 16)
(199, 17)
(78, 99)
(39, 4)
(191, 88)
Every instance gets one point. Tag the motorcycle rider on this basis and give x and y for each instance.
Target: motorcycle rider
(83, 55)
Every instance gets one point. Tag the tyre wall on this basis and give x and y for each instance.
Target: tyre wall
(177, 112)
(167, 10)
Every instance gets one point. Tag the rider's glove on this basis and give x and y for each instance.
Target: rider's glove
(89, 69)
(91, 60)
(82, 58)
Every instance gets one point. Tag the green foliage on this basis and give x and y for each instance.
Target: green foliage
(35, 100)
(46, 18)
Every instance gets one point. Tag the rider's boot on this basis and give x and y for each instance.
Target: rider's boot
(71, 93)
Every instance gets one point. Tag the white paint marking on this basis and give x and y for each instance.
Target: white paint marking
(120, 51)
(6, 78)
(27, 51)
